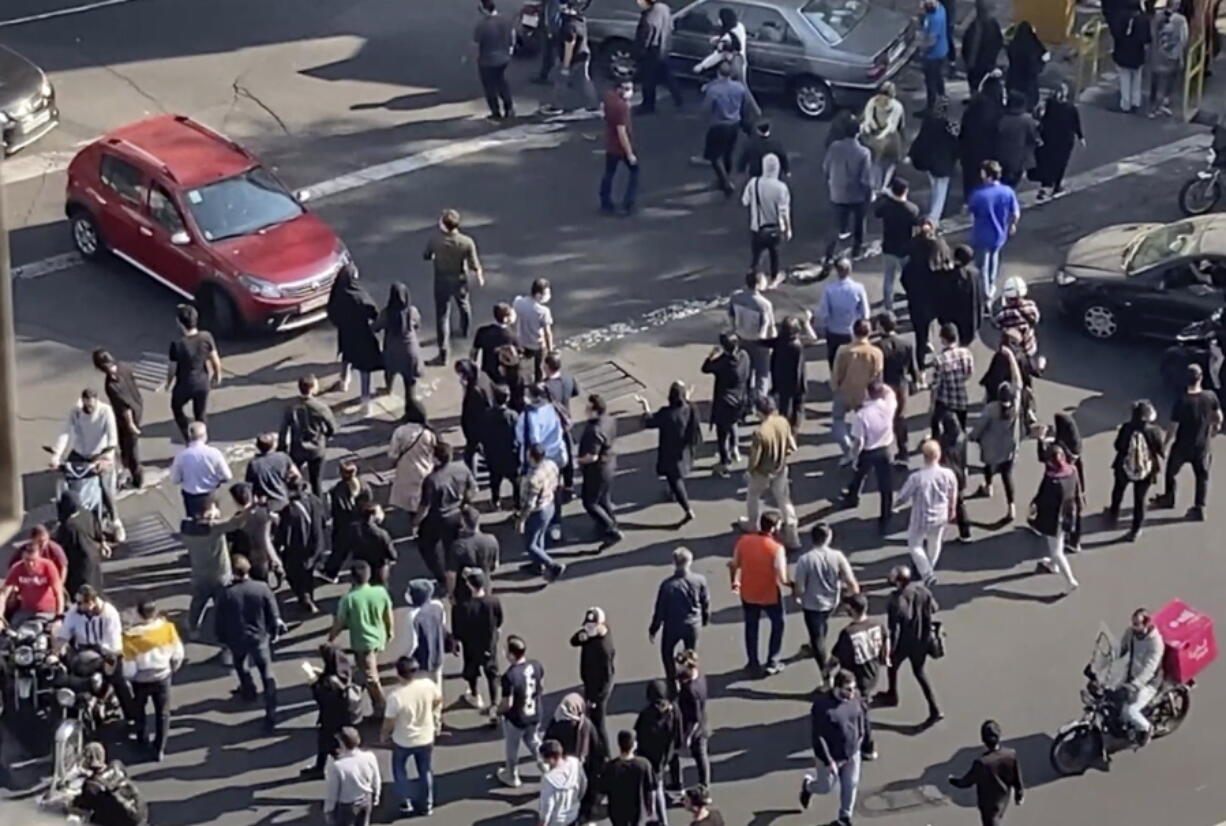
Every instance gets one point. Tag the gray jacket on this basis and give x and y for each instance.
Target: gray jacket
(997, 436)
(1143, 658)
(847, 167)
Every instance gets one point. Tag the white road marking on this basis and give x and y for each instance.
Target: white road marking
(30, 18)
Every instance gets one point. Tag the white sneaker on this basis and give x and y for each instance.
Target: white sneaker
(510, 779)
(478, 702)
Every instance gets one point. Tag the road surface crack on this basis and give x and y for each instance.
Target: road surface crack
(242, 91)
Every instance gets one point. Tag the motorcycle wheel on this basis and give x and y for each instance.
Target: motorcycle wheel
(1199, 196)
(1172, 711)
(1074, 751)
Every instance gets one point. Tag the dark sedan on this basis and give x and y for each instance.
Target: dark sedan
(27, 102)
(1145, 280)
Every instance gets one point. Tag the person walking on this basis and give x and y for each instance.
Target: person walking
(411, 450)
(900, 374)
(619, 148)
(995, 213)
(1017, 138)
(534, 324)
(838, 725)
(574, 71)
(598, 463)
(954, 365)
(79, 532)
(577, 737)
(269, 472)
(725, 100)
(596, 668)
(353, 312)
(563, 786)
(124, 396)
(789, 382)
(934, 43)
(1195, 419)
(658, 732)
(194, 369)
(909, 619)
(856, 366)
(254, 538)
(728, 365)
(352, 782)
(1054, 512)
(692, 703)
(882, 127)
(819, 580)
(848, 169)
(337, 701)
(199, 470)
(472, 550)
(444, 493)
(494, 37)
(1059, 131)
(204, 535)
(843, 303)
(478, 397)
(769, 448)
(758, 573)
(248, 623)
(306, 426)
(680, 433)
(935, 153)
(1027, 57)
(862, 647)
(410, 725)
(490, 338)
(369, 542)
(752, 319)
(498, 447)
(996, 433)
(872, 445)
(399, 321)
(539, 507)
(958, 300)
(758, 145)
(899, 218)
(982, 41)
(523, 691)
(1168, 49)
(345, 502)
(996, 775)
(1139, 451)
(1066, 434)
(365, 612)
(653, 45)
(424, 633)
(476, 622)
(1130, 42)
(300, 541)
(152, 653)
(933, 493)
(770, 217)
(682, 609)
(455, 262)
(546, 423)
(977, 129)
(951, 436)
(629, 783)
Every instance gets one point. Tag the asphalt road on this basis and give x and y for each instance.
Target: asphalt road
(322, 90)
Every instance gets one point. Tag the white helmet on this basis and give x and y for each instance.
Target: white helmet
(1015, 287)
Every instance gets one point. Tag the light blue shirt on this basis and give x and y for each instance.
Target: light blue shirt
(200, 468)
(841, 305)
(938, 33)
(542, 426)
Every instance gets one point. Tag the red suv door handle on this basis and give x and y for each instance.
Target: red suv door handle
(146, 231)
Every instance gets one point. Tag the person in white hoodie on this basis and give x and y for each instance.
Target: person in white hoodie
(730, 44)
(562, 786)
(152, 653)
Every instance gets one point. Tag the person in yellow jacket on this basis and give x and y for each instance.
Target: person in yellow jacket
(152, 653)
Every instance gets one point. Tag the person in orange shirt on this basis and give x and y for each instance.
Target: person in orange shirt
(758, 572)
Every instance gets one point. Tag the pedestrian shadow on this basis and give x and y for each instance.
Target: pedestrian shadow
(769, 816)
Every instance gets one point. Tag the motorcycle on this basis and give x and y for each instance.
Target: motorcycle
(1088, 739)
(1202, 343)
(83, 694)
(1201, 193)
(30, 665)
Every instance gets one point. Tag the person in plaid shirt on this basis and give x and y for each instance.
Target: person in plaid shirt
(954, 366)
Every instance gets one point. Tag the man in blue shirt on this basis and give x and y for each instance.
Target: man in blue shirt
(724, 100)
(994, 215)
(935, 46)
(843, 303)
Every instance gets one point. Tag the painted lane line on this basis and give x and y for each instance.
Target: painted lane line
(47, 15)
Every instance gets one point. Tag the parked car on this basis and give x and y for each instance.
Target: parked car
(201, 215)
(1145, 280)
(818, 54)
(27, 102)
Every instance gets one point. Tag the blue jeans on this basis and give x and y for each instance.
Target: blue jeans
(988, 262)
(422, 756)
(893, 266)
(838, 425)
(611, 162)
(753, 616)
(536, 534)
(936, 204)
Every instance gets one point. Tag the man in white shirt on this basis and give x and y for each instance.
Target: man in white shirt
(872, 445)
(534, 324)
(198, 470)
(409, 723)
(94, 624)
(91, 434)
(352, 782)
(933, 493)
(562, 786)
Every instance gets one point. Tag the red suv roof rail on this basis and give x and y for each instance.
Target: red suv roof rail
(148, 156)
(213, 133)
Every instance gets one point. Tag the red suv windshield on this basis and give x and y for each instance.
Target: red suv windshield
(241, 205)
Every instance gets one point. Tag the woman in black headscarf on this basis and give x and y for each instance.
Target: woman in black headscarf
(680, 433)
(399, 321)
(930, 257)
(1059, 130)
(981, 44)
(958, 299)
(978, 130)
(478, 398)
(353, 312)
(331, 690)
(788, 381)
(1017, 137)
(1066, 434)
(80, 535)
(948, 432)
(935, 152)
(1027, 54)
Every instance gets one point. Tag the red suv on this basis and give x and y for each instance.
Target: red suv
(200, 214)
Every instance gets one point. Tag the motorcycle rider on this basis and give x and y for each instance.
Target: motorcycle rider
(93, 624)
(1141, 649)
(90, 434)
(35, 581)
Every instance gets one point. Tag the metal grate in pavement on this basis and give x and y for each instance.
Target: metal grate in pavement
(609, 379)
(149, 370)
(150, 534)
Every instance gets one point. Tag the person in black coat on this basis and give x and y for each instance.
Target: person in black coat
(760, 144)
(995, 775)
(977, 133)
(659, 733)
(981, 44)
(369, 542)
(948, 432)
(353, 312)
(909, 615)
(1027, 56)
(300, 542)
(729, 365)
(330, 690)
(1066, 434)
(1017, 138)
(81, 536)
(935, 153)
(788, 381)
(958, 295)
(578, 737)
(929, 258)
(1130, 39)
(399, 322)
(680, 433)
(596, 668)
(1128, 464)
(498, 445)
(1059, 132)
(345, 501)
(1055, 509)
(478, 398)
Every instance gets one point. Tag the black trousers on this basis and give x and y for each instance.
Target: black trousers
(687, 637)
(725, 439)
(313, 467)
(845, 214)
(537, 358)
(938, 411)
(697, 745)
(549, 51)
(481, 663)
(676, 486)
(434, 537)
(496, 479)
(817, 623)
(1005, 469)
(158, 693)
(917, 660)
(878, 461)
(791, 405)
(654, 70)
(1140, 489)
(597, 711)
(833, 342)
(129, 452)
(1200, 468)
(921, 322)
(598, 496)
(900, 419)
(759, 245)
(325, 745)
(444, 295)
(180, 397)
(497, 90)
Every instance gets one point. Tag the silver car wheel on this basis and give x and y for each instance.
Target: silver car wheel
(84, 236)
(621, 63)
(812, 98)
(1100, 321)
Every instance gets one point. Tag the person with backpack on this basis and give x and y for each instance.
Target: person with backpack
(306, 425)
(108, 797)
(338, 699)
(1139, 450)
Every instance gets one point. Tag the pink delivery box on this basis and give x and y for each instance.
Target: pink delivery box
(1188, 637)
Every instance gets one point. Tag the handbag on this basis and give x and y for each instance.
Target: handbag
(936, 640)
(766, 233)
